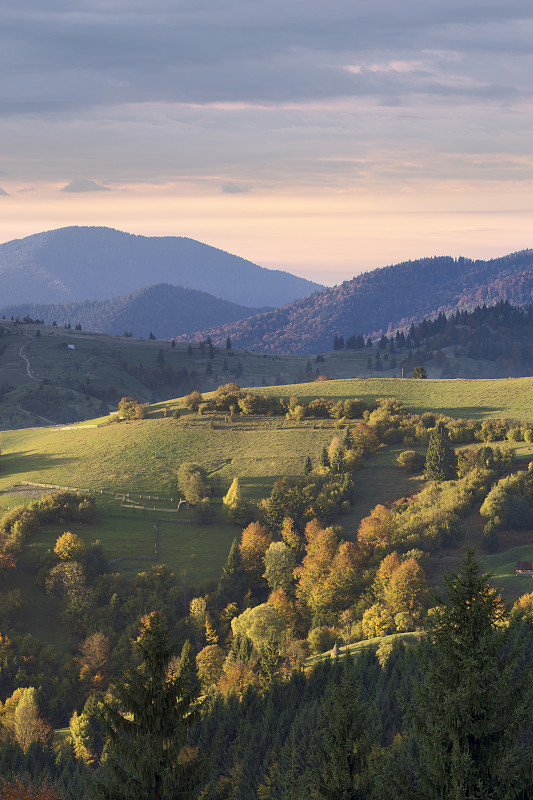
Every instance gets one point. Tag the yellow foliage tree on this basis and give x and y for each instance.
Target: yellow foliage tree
(377, 621)
(70, 547)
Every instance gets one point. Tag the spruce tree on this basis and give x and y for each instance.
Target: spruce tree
(345, 739)
(471, 710)
(441, 459)
(323, 458)
(308, 466)
(147, 728)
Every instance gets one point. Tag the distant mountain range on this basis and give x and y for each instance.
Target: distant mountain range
(86, 263)
(382, 301)
(165, 311)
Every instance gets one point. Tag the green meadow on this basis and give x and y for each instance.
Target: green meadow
(510, 398)
(143, 457)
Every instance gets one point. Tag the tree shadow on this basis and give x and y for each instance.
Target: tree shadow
(31, 461)
(466, 412)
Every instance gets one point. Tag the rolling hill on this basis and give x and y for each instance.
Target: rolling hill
(383, 300)
(87, 263)
(162, 309)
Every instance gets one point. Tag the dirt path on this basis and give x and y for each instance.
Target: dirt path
(29, 370)
(33, 414)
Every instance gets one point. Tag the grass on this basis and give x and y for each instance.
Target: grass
(143, 456)
(353, 649)
(503, 567)
(509, 398)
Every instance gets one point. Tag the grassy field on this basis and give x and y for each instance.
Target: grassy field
(143, 456)
(353, 649)
(511, 398)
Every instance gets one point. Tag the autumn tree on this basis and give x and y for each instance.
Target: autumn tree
(236, 508)
(377, 531)
(21, 720)
(364, 439)
(407, 589)
(193, 400)
(129, 408)
(70, 547)
(259, 624)
(280, 561)
(210, 662)
(94, 654)
(255, 541)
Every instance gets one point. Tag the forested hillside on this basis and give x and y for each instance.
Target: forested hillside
(384, 300)
(311, 528)
(164, 310)
(493, 341)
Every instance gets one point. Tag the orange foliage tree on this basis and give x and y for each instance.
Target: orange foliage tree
(255, 542)
(377, 531)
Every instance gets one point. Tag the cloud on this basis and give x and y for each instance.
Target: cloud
(82, 185)
(3, 192)
(234, 188)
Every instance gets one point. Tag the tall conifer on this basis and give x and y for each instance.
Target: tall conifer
(471, 712)
(441, 459)
(147, 730)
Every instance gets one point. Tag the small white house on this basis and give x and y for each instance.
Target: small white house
(71, 346)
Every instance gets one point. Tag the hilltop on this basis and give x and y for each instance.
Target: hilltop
(382, 301)
(164, 310)
(86, 263)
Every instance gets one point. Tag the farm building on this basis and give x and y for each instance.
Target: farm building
(524, 568)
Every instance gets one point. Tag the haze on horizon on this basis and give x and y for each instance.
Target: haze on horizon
(325, 139)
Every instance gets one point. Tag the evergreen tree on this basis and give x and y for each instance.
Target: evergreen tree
(146, 754)
(345, 740)
(441, 458)
(419, 372)
(308, 466)
(232, 570)
(323, 459)
(471, 709)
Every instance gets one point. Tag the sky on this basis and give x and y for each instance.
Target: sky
(325, 137)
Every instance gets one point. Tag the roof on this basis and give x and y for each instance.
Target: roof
(524, 565)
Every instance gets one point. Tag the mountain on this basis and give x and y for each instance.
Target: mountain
(161, 309)
(382, 301)
(87, 263)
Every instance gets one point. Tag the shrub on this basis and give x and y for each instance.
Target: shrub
(320, 640)
(128, 408)
(411, 461)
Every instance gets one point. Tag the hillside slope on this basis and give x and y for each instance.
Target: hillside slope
(162, 309)
(80, 263)
(384, 300)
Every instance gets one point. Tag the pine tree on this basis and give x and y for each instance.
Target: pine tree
(441, 459)
(147, 734)
(323, 459)
(471, 708)
(232, 570)
(345, 739)
(308, 466)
